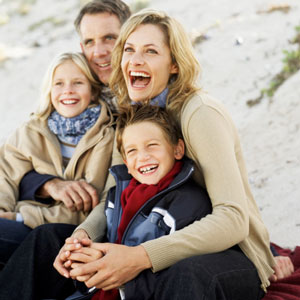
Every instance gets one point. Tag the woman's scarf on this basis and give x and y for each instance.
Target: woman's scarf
(71, 130)
(160, 100)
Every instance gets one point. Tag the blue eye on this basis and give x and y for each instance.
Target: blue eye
(128, 49)
(110, 37)
(152, 51)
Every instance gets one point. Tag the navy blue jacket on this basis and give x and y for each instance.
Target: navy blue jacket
(177, 206)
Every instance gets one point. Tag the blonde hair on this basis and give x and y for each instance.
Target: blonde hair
(182, 85)
(45, 105)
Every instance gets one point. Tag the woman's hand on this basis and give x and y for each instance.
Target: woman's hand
(118, 265)
(62, 262)
(283, 268)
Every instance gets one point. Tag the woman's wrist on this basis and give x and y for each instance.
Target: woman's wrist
(143, 258)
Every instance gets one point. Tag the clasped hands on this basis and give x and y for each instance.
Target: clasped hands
(102, 265)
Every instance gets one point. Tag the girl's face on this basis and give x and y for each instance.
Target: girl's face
(146, 63)
(71, 91)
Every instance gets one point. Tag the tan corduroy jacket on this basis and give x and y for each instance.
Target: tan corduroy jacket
(212, 141)
(33, 146)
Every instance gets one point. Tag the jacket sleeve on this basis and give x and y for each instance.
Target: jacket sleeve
(29, 185)
(13, 165)
(95, 223)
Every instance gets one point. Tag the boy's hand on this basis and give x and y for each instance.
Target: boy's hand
(118, 265)
(62, 262)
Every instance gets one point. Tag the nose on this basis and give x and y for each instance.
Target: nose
(100, 49)
(143, 155)
(68, 88)
(136, 59)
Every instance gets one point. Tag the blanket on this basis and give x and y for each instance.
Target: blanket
(289, 287)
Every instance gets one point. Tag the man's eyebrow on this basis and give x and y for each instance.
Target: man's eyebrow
(86, 40)
(111, 34)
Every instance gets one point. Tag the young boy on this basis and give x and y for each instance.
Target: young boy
(154, 193)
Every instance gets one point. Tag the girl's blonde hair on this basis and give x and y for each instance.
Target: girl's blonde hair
(182, 85)
(45, 105)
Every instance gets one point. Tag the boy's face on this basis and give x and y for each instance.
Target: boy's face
(149, 155)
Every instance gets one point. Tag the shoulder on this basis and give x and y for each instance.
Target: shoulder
(204, 111)
(201, 102)
(26, 131)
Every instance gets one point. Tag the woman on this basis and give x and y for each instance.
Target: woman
(225, 255)
(69, 136)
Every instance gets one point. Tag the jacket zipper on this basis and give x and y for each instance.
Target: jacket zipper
(153, 198)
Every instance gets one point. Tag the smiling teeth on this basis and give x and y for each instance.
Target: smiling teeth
(69, 101)
(103, 65)
(140, 74)
(147, 169)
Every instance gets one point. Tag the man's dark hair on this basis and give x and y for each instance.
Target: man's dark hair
(115, 7)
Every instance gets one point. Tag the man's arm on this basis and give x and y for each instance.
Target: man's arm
(75, 194)
(31, 183)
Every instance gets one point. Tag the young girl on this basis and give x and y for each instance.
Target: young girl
(69, 136)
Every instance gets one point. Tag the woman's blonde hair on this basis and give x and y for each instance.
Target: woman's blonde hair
(45, 105)
(182, 85)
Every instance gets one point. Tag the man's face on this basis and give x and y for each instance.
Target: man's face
(98, 34)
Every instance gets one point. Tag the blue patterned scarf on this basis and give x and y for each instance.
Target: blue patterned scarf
(160, 100)
(71, 130)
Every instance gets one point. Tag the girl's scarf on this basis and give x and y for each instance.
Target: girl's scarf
(132, 199)
(71, 130)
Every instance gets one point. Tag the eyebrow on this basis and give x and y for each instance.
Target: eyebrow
(147, 45)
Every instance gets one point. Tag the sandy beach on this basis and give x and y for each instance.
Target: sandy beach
(240, 47)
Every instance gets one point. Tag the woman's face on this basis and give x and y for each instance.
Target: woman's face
(146, 63)
(71, 90)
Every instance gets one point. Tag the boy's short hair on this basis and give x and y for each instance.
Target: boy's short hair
(147, 113)
(115, 7)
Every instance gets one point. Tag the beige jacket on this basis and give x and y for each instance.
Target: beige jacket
(212, 141)
(33, 146)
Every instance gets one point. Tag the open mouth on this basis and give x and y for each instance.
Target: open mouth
(69, 101)
(139, 79)
(148, 169)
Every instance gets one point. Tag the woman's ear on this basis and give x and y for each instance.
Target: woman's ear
(174, 69)
(179, 150)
